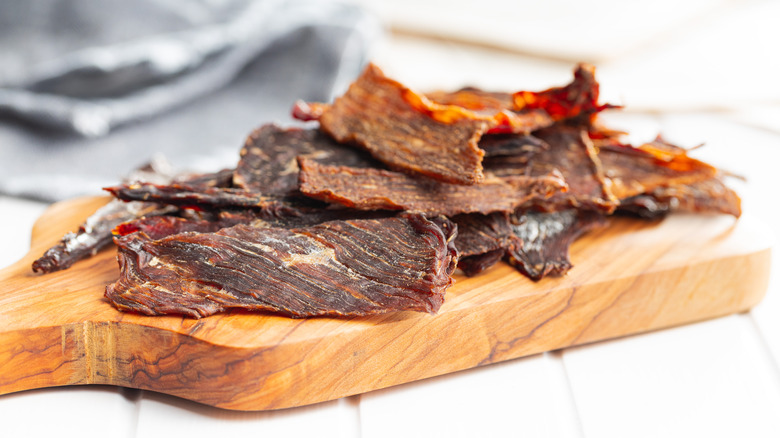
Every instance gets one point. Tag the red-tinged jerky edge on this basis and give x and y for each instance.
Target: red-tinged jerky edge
(338, 268)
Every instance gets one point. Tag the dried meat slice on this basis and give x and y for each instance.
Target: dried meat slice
(94, 234)
(546, 240)
(188, 196)
(633, 171)
(376, 189)
(339, 268)
(707, 196)
(483, 240)
(478, 263)
(511, 145)
(437, 135)
(387, 119)
(482, 233)
(268, 162)
(569, 151)
(577, 100)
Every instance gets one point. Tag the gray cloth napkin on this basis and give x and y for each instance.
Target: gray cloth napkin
(91, 89)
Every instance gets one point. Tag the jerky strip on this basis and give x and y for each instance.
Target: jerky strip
(483, 240)
(708, 196)
(268, 159)
(577, 100)
(382, 116)
(635, 171)
(341, 268)
(480, 233)
(546, 240)
(185, 195)
(476, 264)
(93, 234)
(375, 189)
(570, 152)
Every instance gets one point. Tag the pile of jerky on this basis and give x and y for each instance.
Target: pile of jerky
(373, 210)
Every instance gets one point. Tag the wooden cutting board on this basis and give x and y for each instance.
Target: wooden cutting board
(630, 277)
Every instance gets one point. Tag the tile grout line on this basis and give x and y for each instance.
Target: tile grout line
(574, 413)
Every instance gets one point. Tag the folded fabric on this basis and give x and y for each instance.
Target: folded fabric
(88, 91)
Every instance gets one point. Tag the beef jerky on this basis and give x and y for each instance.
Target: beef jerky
(482, 233)
(478, 263)
(546, 240)
(220, 179)
(635, 171)
(376, 189)
(339, 268)
(157, 227)
(474, 99)
(511, 145)
(707, 196)
(268, 162)
(93, 235)
(577, 100)
(188, 196)
(571, 153)
(382, 116)
(483, 240)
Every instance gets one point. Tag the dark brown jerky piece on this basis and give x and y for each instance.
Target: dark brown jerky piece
(708, 196)
(157, 227)
(185, 195)
(382, 116)
(268, 162)
(483, 240)
(93, 235)
(476, 264)
(222, 178)
(340, 268)
(570, 152)
(511, 145)
(546, 240)
(376, 189)
(480, 233)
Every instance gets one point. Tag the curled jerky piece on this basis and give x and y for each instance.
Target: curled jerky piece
(569, 151)
(342, 268)
(546, 240)
(384, 117)
(579, 99)
(268, 162)
(376, 189)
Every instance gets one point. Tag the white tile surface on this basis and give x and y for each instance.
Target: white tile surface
(526, 397)
(164, 416)
(710, 379)
(77, 412)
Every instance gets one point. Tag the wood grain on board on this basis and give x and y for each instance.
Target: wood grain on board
(630, 277)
